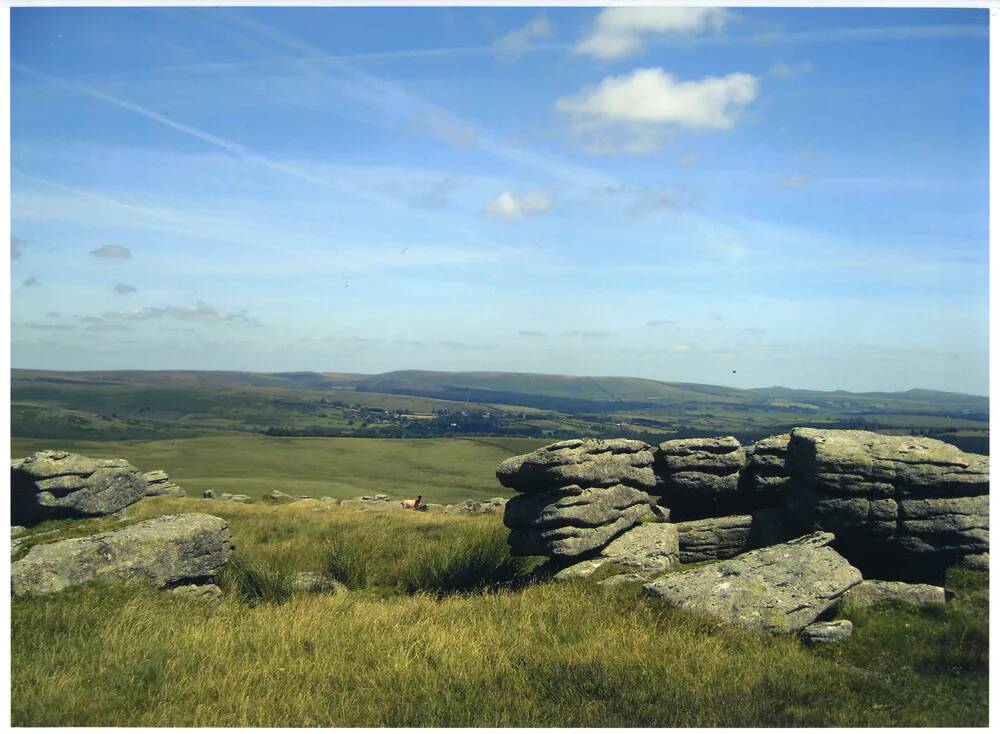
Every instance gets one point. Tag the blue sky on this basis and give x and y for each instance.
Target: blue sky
(798, 195)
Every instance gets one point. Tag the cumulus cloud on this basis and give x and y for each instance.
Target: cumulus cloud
(518, 41)
(112, 251)
(634, 112)
(619, 32)
(123, 289)
(199, 312)
(513, 206)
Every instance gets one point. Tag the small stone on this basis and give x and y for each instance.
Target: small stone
(310, 581)
(822, 633)
(208, 494)
(241, 498)
(278, 496)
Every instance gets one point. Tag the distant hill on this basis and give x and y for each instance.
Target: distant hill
(124, 404)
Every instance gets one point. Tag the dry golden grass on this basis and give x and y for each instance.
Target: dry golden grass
(547, 655)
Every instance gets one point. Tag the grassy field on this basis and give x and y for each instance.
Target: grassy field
(399, 650)
(443, 470)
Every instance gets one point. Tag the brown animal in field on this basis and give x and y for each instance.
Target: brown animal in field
(412, 504)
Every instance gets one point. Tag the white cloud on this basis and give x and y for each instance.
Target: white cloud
(618, 31)
(512, 206)
(201, 311)
(680, 348)
(518, 41)
(634, 112)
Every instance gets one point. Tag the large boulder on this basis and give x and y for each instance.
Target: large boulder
(572, 521)
(158, 484)
(645, 551)
(58, 484)
(782, 588)
(700, 475)
(889, 498)
(586, 462)
(174, 550)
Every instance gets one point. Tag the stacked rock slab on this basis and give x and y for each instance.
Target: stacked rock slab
(168, 551)
(58, 484)
(700, 477)
(765, 476)
(576, 496)
(645, 551)
(889, 498)
(782, 588)
(159, 484)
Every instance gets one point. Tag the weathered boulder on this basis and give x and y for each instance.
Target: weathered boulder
(648, 549)
(158, 484)
(571, 521)
(889, 497)
(173, 550)
(822, 633)
(700, 476)
(714, 538)
(781, 588)
(372, 502)
(872, 592)
(765, 476)
(58, 484)
(491, 506)
(976, 562)
(585, 462)
(276, 495)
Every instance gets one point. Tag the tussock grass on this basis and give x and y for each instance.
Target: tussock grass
(569, 654)
(254, 582)
(473, 563)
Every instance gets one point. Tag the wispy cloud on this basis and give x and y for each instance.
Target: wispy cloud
(620, 32)
(519, 40)
(587, 334)
(532, 333)
(201, 311)
(514, 206)
(633, 113)
(123, 289)
(17, 247)
(31, 282)
(660, 322)
(112, 252)
(790, 70)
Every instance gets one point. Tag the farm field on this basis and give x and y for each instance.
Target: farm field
(443, 470)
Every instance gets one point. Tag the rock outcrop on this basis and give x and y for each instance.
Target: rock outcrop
(765, 476)
(58, 484)
(889, 498)
(586, 462)
(714, 538)
(169, 551)
(782, 588)
(699, 474)
(572, 521)
(643, 552)
(159, 484)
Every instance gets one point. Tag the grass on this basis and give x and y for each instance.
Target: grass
(443, 470)
(395, 652)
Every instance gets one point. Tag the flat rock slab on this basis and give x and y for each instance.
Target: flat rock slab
(871, 592)
(714, 538)
(649, 548)
(587, 462)
(823, 633)
(56, 484)
(167, 551)
(779, 589)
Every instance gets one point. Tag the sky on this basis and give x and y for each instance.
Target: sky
(744, 197)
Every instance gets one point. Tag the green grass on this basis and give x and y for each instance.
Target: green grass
(443, 470)
(570, 654)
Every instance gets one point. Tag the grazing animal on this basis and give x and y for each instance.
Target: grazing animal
(412, 504)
